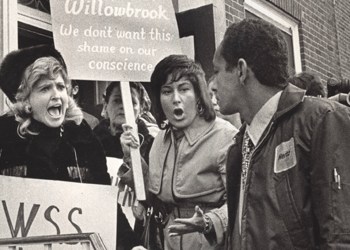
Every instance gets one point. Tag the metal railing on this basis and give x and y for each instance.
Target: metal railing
(88, 241)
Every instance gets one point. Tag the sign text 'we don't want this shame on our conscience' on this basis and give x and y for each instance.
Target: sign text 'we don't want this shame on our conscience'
(114, 39)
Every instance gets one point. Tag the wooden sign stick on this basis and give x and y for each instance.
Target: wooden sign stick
(134, 153)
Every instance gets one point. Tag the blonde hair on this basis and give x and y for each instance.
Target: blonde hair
(42, 68)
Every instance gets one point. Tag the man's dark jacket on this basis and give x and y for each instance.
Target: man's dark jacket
(298, 184)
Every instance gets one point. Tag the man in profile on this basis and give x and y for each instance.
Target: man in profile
(234, 119)
(288, 174)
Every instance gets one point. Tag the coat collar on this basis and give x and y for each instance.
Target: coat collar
(291, 97)
(194, 133)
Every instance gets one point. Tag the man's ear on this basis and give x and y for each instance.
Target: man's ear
(242, 69)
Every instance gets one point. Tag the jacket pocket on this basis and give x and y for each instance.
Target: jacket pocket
(289, 212)
(340, 204)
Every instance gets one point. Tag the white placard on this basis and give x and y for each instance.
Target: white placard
(114, 39)
(31, 207)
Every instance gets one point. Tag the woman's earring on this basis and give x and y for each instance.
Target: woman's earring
(28, 109)
(200, 108)
(164, 124)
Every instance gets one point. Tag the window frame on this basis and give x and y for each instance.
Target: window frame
(34, 17)
(9, 38)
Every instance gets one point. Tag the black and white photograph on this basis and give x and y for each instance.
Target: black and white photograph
(174, 124)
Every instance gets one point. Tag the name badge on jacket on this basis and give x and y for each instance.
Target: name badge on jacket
(285, 156)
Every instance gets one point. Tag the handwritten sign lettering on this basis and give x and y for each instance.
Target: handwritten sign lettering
(114, 40)
(102, 9)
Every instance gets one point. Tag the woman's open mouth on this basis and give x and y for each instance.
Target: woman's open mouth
(55, 111)
(178, 113)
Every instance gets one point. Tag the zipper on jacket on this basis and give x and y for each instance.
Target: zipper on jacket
(243, 222)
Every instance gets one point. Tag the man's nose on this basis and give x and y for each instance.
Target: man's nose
(214, 100)
(215, 86)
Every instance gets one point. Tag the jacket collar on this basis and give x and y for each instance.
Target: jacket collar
(291, 97)
(262, 118)
(194, 133)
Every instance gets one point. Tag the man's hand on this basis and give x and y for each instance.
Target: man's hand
(184, 226)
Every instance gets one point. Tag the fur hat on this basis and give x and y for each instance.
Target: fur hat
(16, 62)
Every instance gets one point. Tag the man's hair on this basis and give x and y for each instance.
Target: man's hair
(262, 46)
(310, 82)
(178, 66)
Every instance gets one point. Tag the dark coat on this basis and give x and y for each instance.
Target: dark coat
(49, 156)
(53, 154)
(293, 200)
(126, 238)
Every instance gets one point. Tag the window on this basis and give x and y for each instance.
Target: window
(41, 5)
(34, 27)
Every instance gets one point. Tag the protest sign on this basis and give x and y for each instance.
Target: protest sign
(31, 207)
(113, 40)
(126, 196)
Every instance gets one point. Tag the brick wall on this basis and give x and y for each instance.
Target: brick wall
(318, 38)
(342, 17)
(323, 29)
(234, 11)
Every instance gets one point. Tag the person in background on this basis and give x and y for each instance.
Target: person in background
(309, 81)
(288, 171)
(73, 91)
(187, 159)
(109, 131)
(44, 135)
(234, 119)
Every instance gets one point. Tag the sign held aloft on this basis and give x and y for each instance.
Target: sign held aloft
(113, 40)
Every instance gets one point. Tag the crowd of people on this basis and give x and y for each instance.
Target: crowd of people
(251, 159)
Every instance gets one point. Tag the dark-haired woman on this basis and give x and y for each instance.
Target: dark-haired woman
(187, 159)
